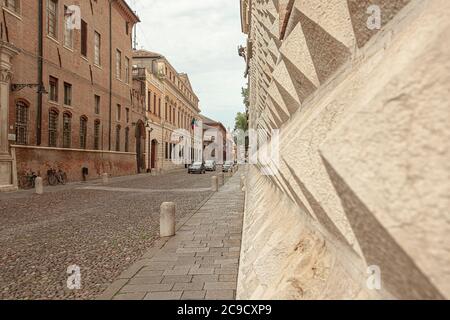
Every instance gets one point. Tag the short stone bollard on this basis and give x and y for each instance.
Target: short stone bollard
(221, 179)
(167, 219)
(242, 182)
(214, 184)
(39, 185)
(105, 178)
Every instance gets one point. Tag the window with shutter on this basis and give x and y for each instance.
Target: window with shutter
(21, 123)
(84, 36)
(83, 132)
(67, 130)
(53, 128)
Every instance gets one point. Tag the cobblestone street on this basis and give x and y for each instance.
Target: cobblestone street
(200, 262)
(103, 229)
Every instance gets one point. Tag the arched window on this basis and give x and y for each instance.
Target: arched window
(97, 135)
(67, 130)
(127, 137)
(83, 132)
(21, 123)
(118, 138)
(53, 128)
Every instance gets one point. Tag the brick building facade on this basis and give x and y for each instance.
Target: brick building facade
(70, 97)
(171, 105)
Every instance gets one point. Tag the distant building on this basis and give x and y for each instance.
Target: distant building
(218, 143)
(172, 106)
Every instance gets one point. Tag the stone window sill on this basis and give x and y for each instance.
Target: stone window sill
(13, 13)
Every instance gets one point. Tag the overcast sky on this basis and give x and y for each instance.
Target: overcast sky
(199, 37)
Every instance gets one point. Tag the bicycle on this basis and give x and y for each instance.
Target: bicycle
(56, 177)
(28, 180)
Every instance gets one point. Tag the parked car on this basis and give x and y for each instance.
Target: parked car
(228, 166)
(197, 167)
(210, 165)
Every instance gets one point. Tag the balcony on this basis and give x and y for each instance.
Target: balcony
(139, 73)
(209, 139)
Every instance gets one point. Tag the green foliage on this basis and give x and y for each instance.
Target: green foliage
(241, 122)
(246, 98)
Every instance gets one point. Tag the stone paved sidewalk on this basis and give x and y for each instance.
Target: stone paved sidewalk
(200, 262)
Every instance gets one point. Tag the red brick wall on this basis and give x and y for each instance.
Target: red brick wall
(72, 161)
(69, 66)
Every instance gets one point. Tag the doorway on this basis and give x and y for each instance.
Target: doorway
(140, 146)
(154, 150)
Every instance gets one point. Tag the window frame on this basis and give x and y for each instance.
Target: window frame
(149, 101)
(54, 15)
(118, 131)
(118, 64)
(83, 132)
(97, 134)
(67, 31)
(127, 70)
(127, 139)
(53, 95)
(22, 123)
(53, 128)
(84, 39)
(118, 112)
(16, 7)
(97, 49)
(67, 130)
(97, 104)
(68, 97)
(159, 107)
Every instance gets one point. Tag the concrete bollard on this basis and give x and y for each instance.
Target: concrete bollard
(105, 178)
(167, 219)
(214, 184)
(221, 179)
(39, 185)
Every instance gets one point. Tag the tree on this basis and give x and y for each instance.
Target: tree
(246, 98)
(241, 128)
(241, 122)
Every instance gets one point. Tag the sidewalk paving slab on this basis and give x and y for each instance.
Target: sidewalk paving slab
(200, 262)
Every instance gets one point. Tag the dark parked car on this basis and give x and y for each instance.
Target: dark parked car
(210, 165)
(228, 166)
(197, 167)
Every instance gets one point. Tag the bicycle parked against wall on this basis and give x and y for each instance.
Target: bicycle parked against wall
(27, 181)
(56, 177)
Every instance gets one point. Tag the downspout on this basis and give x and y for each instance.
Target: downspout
(110, 75)
(40, 73)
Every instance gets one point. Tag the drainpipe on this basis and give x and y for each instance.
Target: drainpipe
(110, 74)
(40, 73)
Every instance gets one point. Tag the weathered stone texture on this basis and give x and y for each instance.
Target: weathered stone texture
(363, 176)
